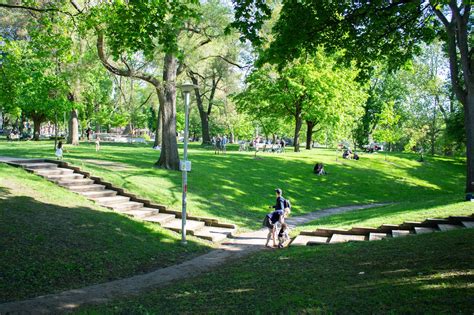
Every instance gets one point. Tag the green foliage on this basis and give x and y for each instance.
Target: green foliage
(136, 25)
(312, 87)
(388, 130)
(31, 81)
(365, 32)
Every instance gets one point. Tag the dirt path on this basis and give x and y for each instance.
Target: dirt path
(233, 249)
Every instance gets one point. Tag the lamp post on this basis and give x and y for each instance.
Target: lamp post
(185, 165)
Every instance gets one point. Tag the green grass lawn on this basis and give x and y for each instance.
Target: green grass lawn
(52, 239)
(238, 188)
(426, 274)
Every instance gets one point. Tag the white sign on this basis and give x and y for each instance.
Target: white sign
(185, 166)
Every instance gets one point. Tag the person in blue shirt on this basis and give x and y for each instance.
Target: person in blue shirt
(275, 218)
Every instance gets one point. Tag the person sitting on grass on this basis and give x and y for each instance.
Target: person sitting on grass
(283, 235)
(319, 169)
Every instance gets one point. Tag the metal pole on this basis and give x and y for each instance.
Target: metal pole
(183, 167)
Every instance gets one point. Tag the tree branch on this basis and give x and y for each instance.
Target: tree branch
(226, 60)
(35, 9)
(122, 72)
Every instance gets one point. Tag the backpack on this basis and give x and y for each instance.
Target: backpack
(287, 203)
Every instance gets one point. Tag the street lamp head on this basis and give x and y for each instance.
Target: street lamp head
(188, 87)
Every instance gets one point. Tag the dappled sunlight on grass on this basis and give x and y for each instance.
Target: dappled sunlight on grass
(430, 273)
(238, 188)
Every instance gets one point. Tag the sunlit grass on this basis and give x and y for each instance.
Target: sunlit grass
(238, 188)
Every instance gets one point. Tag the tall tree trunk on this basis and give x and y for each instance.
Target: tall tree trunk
(203, 114)
(457, 40)
(169, 157)
(469, 123)
(73, 135)
(309, 134)
(298, 124)
(37, 120)
(206, 135)
(158, 126)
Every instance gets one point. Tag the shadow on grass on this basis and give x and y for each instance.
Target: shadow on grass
(428, 274)
(48, 248)
(238, 188)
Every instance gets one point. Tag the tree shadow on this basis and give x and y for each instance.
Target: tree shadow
(48, 248)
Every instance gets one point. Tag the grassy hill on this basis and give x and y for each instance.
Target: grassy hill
(238, 188)
(52, 240)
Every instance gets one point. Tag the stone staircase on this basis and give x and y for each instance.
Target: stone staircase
(106, 195)
(332, 236)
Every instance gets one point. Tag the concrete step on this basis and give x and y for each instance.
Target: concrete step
(98, 193)
(387, 228)
(318, 241)
(341, 238)
(84, 188)
(142, 213)
(111, 200)
(191, 226)
(75, 182)
(468, 224)
(53, 171)
(34, 166)
(448, 227)
(377, 236)
(214, 233)
(302, 240)
(400, 233)
(58, 177)
(125, 206)
(424, 230)
(160, 218)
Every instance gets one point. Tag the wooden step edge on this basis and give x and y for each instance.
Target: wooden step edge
(133, 198)
(207, 221)
(461, 218)
(362, 230)
(330, 232)
(315, 233)
(161, 208)
(387, 228)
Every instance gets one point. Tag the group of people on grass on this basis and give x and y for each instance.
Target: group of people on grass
(275, 221)
(348, 154)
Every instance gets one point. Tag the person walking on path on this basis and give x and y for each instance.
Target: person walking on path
(276, 218)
